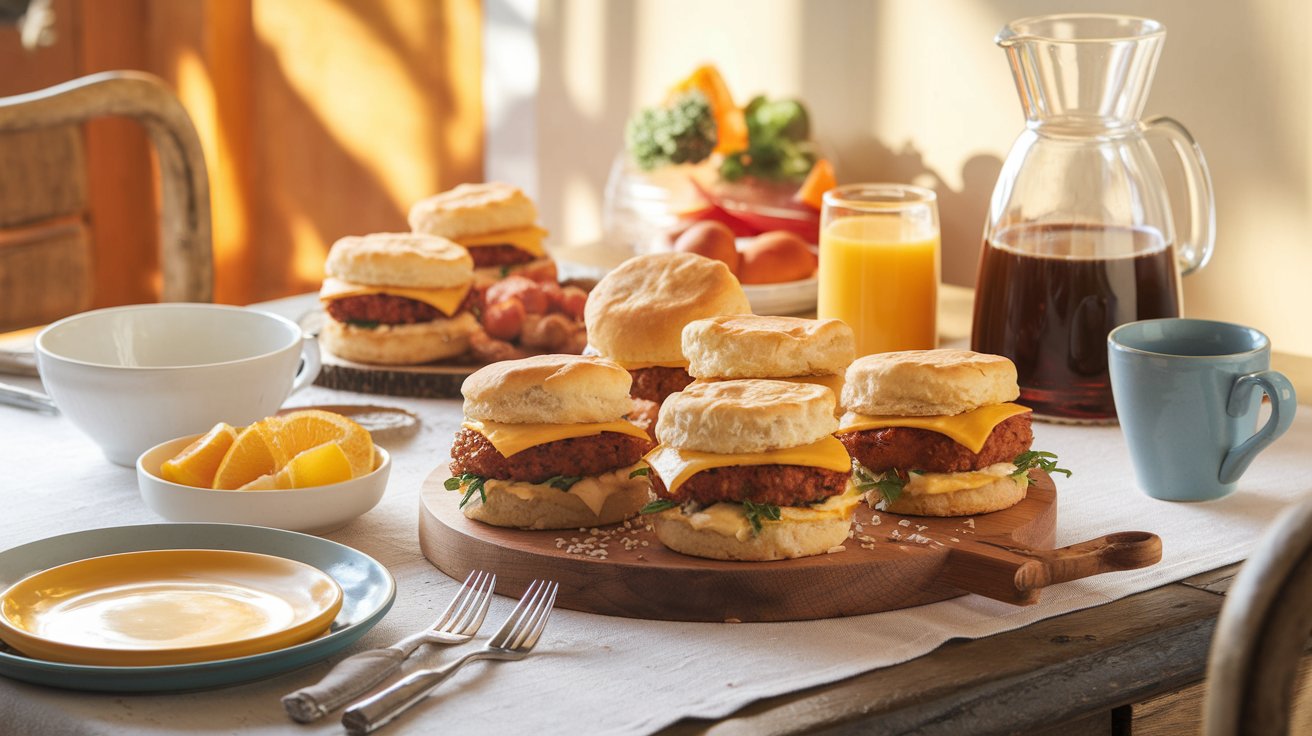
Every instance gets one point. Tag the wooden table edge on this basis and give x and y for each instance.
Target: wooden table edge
(1021, 681)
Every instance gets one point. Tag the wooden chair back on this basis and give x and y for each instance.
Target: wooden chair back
(45, 253)
(1261, 634)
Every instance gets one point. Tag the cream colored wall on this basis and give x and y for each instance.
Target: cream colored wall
(908, 90)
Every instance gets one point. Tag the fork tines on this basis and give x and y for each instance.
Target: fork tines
(525, 624)
(464, 609)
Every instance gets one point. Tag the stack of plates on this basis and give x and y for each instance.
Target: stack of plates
(181, 606)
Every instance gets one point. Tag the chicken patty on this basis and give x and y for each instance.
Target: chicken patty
(908, 448)
(384, 309)
(781, 485)
(486, 256)
(657, 382)
(471, 452)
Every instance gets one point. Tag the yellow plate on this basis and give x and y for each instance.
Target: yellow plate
(167, 607)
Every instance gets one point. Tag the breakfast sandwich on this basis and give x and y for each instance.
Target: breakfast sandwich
(935, 432)
(543, 445)
(496, 222)
(750, 470)
(792, 349)
(636, 314)
(397, 299)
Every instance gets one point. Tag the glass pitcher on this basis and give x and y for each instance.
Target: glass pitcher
(1080, 235)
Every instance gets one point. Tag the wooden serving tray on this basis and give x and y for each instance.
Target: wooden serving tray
(892, 562)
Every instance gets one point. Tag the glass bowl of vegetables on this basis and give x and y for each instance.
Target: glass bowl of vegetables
(697, 156)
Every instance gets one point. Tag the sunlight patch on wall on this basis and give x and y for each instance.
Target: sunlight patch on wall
(360, 90)
(307, 251)
(196, 90)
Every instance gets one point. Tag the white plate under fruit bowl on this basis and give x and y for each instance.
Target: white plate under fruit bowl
(787, 298)
(315, 510)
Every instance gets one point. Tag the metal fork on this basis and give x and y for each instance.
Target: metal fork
(360, 673)
(516, 638)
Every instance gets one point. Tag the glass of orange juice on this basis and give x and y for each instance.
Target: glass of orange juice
(879, 265)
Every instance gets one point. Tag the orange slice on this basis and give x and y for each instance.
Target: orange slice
(250, 456)
(197, 464)
(317, 466)
(820, 180)
(730, 125)
(299, 431)
(263, 483)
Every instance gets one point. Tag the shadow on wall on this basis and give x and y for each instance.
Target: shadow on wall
(827, 48)
(962, 212)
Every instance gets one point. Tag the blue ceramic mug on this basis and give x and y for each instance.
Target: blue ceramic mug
(1187, 395)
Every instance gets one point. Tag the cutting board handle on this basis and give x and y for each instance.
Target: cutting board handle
(1001, 570)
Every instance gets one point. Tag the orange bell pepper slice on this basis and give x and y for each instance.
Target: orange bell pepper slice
(820, 180)
(730, 125)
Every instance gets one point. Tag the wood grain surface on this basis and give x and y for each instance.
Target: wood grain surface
(886, 565)
(428, 381)
(889, 562)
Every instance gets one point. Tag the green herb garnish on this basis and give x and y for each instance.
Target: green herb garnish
(471, 483)
(889, 484)
(364, 324)
(655, 507)
(756, 512)
(642, 472)
(1045, 461)
(505, 271)
(563, 482)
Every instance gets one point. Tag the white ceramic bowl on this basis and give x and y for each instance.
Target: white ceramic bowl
(316, 510)
(787, 298)
(132, 377)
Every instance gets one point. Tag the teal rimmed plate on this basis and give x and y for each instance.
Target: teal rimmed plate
(368, 591)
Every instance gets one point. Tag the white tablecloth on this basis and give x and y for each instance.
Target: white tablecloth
(595, 674)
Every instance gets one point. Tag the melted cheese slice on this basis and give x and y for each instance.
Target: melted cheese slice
(728, 519)
(635, 365)
(929, 484)
(833, 383)
(528, 239)
(970, 429)
(677, 466)
(446, 301)
(591, 491)
(510, 439)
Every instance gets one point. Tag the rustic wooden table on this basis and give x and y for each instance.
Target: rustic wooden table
(1135, 665)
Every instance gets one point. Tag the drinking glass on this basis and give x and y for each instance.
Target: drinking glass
(879, 265)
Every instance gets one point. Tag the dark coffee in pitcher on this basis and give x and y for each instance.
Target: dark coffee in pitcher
(1048, 294)
(1082, 234)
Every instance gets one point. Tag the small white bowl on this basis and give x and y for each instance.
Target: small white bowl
(131, 377)
(316, 510)
(787, 298)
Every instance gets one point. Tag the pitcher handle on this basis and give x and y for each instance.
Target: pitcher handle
(1193, 252)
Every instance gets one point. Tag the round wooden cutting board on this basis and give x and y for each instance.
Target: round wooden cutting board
(427, 381)
(891, 562)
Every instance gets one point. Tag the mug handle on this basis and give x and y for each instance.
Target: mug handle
(1283, 404)
(1194, 252)
(310, 364)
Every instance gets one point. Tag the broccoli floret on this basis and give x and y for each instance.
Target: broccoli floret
(777, 119)
(682, 132)
(778, 148)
